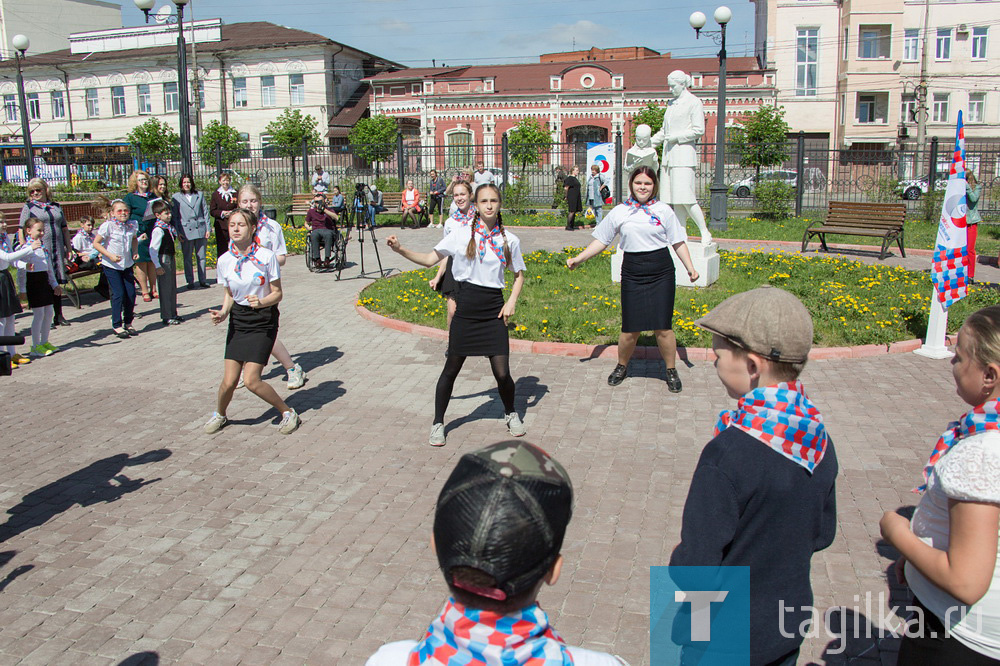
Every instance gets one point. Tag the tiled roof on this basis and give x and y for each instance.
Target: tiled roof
(354, 110)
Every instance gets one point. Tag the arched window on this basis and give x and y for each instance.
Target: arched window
(460, 150)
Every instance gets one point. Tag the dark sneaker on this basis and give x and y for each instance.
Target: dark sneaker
(673, 380)
(618, 375)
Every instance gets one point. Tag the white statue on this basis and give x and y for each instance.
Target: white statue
(642, 153)
(683, 125)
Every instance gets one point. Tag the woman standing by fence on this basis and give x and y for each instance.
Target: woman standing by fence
(190, 217)
(56, 240)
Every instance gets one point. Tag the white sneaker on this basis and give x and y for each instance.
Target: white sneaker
(241, 384)
(215, 423)
(514, 425)
(296, 377)
(437, 435)
(290, 422)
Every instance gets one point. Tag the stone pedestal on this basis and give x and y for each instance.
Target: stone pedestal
(705, 258)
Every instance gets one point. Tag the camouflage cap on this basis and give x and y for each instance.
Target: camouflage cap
(504, 511)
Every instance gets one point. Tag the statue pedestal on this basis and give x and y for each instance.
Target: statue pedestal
(705, 258)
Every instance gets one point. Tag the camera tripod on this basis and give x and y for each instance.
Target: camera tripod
(365, 220)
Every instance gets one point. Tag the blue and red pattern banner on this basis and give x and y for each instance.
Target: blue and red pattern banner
(950, 268)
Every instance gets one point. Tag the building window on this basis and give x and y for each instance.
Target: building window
(873, 42)
(170, 99)
(93, 107)
(58, 104)
(977, 107)
(118, 100)
(268, 96)
(940, 108)
(843, 109)
(34, 106)
(144, 98)
(10, 108)
(460, 151)
(942, 47)
(866, 109)
(979, 43)
(908, 109)
(239, 93)
(847, 34)
(805, 61)
(296, 89)
(911, 45)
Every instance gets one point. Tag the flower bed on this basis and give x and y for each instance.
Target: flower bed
(852, 303)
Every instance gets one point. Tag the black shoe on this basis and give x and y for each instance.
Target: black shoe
(618, 375)
(673, 381)
(570, 229)
(131, 330)
(204, 285)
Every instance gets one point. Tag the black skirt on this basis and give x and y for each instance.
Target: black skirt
(648, 285)
(251, 333)
(40, 292)
(448, 286)
(9, 302)
(476, 330)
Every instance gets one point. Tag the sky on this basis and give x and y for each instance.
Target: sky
(419, 34)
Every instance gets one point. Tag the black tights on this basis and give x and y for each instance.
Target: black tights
(446, 382)
(571, 221)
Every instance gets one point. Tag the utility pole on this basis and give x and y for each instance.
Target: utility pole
(197, 78)
(921, 91)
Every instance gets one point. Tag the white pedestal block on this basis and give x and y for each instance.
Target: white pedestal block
(705, 258)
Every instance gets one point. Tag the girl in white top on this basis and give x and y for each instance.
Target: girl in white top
(9, 303)
(252, 280)
(36, 278)
(117, 242)
(271, 237)
(459, 219)
(479, 327)
(647, 226)
(949, 550)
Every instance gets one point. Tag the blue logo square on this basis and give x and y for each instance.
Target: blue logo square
(699, 615)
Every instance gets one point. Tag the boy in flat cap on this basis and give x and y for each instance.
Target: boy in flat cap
(498, 530)
(763, 492)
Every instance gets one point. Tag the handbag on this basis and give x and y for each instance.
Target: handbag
(605, 192)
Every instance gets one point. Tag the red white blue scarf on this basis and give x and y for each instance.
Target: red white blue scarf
(979, 419)
(464, 218)
(467, 637)
(4, 242)
(644, 207)
(782, 417)
(250, 256)
(167, 228)
(262, 223)
(493, 236)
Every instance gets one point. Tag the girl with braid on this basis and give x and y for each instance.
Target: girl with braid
(444, 281)
(479, 327)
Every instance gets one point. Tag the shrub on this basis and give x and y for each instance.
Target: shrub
(930, 205)
(774, 199)
(387, 184)
(516, 196)
(886, 190)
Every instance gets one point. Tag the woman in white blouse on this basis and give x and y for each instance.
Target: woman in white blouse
(479, 327)
(648, 228)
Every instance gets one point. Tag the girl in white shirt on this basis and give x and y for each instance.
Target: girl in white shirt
(949, 550)
(117, 242)
(464, 212)
(479, 327)
(252, 280)
(270, 236)
(10, 304)
(36, 278)
(647, 227)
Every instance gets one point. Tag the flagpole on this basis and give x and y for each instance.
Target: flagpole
(937, 329)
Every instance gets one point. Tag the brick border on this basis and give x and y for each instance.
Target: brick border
(611, 351)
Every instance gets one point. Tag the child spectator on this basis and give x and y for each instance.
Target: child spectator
(162, 250)
(10, 304)
(83, 245)
(762, 494)
(949, 549)
(36, 278)
(498, 531)
(117, 242)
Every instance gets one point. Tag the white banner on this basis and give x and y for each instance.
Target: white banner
(603, 155)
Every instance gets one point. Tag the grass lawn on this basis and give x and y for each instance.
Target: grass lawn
(852, 303)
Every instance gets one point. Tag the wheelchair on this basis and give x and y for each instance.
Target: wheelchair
(338, 257)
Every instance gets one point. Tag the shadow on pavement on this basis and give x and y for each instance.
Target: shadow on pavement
(315, 396)
(141, 659)
(528, 391)
(309, 361)
(85, 487)
(6, 557)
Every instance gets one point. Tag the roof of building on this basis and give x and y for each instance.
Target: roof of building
(235, 37)
(343, 121)
(647, 73)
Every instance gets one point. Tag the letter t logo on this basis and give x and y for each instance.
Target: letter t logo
(701, 610)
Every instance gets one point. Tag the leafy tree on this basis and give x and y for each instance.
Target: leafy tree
(528, 143)
(288, 131)
(155, 138)
(651, 115)
(762, 141)
(228, 138)
(374, 139)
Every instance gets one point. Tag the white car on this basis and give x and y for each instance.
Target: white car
(744, 188)
(913, 188)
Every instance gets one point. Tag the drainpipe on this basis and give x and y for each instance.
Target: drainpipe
(69, 106)
(333, 68)
(225, 91)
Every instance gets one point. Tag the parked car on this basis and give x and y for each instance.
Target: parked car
(913, 188)
(744, 188)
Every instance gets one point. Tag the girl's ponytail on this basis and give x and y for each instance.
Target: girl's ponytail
(470, 249)
(506, 245)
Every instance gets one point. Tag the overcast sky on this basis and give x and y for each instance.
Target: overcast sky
(413, 33)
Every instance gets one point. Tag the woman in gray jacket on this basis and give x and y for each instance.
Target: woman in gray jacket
(190, 216)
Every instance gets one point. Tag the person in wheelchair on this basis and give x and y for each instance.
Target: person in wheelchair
(322, 222)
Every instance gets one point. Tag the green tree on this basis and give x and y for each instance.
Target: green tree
(762, 141)
(288, 131)
(155, 138)
(374, 139)
(528, 143)
(228, 139)
(651, 115)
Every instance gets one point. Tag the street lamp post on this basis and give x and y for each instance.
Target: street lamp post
(719, 189)
(21, 44)
(183, 108)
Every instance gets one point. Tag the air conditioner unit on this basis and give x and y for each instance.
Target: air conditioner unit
(86, 136)
(64, 137)
(963, 28)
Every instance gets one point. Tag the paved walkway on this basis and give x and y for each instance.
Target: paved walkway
(131, 534)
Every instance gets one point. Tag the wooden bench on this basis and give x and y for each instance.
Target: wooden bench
(879, 220)
(393, 202)
(301, 203)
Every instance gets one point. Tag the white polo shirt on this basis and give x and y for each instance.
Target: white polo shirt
(270, 236)
(485, 272)
(253, 279)
(117, 239)
(638, 232)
